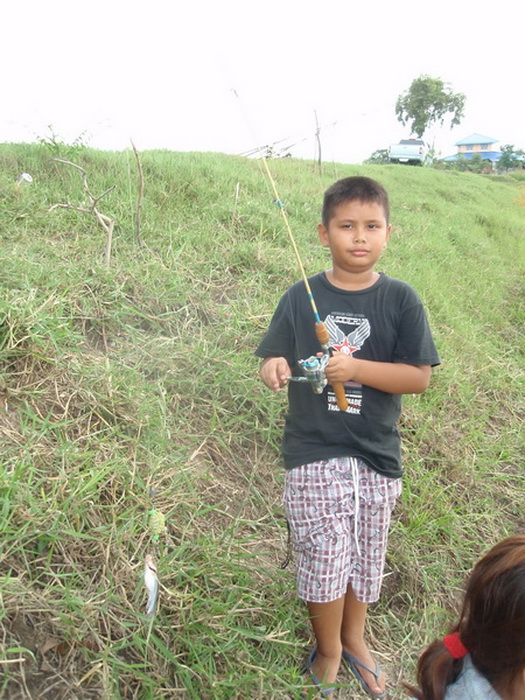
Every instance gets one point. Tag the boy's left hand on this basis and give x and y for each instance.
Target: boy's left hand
(340, 367)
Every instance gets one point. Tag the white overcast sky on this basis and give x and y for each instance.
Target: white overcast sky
(163, 72)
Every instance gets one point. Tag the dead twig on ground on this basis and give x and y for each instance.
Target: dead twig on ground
(318, 143)
(141, 195)
(107, 223)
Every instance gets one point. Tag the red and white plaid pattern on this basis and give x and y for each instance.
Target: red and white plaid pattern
(319, 499)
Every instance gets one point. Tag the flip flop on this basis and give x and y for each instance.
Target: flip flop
(353, 663)
(325, 692)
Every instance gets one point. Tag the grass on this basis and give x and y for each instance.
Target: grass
(138, 378)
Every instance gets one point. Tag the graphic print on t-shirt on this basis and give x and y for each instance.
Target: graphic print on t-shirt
(347, 332)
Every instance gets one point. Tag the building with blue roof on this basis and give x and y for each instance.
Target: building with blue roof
(476, 145)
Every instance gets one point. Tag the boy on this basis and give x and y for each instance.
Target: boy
(343, 469)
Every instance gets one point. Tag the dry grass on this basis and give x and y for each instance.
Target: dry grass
(116, 382)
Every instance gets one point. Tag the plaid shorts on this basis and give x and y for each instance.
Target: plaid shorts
(335, 545)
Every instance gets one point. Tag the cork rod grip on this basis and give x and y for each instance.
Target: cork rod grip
(340, 395)
(339, 388)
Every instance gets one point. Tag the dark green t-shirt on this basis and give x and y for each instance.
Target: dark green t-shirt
(385, 323)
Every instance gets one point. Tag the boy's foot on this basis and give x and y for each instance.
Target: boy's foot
(321, 671)
(366, 670)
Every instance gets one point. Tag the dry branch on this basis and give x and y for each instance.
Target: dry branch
(141, 194)
(107, 223)
(318, 142)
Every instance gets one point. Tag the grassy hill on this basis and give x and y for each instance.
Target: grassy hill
(132, 386)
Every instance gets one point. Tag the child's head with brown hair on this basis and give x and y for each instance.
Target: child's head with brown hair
(491, 627)
(350, 189)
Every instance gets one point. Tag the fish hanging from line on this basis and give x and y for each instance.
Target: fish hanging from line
(151, 581)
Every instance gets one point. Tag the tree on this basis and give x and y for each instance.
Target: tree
(510, 158)
(379, 156)
(429, 100)
(476, 164)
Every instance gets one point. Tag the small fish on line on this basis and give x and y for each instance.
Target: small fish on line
(151, 581)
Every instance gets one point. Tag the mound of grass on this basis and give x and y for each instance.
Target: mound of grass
(133, 386)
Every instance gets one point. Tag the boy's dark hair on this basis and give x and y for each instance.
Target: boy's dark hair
(349, 189)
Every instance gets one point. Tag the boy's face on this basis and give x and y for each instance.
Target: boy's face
(356, 234)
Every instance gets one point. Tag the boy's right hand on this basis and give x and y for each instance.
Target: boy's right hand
(274, 371)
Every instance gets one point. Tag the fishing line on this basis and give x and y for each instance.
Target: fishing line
(321, 331)
(281, 209)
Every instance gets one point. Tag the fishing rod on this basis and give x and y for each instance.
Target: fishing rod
(313, 367)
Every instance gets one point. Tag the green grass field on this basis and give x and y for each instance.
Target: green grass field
(132, 386)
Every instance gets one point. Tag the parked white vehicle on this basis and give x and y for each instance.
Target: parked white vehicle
(411, 151)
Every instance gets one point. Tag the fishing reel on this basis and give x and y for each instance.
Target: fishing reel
(314, 369)
(314, 372)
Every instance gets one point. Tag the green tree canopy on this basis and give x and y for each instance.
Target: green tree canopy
(510, 158)
(429, 100)
(379, 156)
